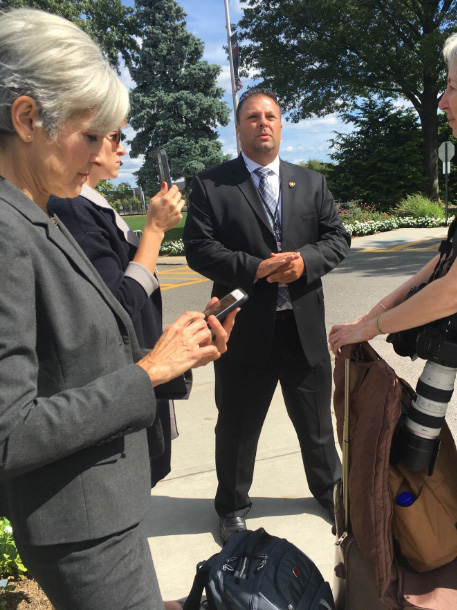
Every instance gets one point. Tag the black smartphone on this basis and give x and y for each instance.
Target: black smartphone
(227, 304)
(163, 171)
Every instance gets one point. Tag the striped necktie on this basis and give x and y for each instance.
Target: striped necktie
(272, 207)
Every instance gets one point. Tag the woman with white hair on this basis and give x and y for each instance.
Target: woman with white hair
(77, 393)
(438, 299)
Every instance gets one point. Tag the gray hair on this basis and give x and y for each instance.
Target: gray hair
(450, 49)
(51, 60)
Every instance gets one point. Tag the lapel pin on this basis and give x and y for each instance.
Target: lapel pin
(291, 185)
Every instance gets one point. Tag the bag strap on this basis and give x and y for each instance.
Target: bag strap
(360, 351)
(447, 255)
(254, 543)
(346, 442)
(194, 598)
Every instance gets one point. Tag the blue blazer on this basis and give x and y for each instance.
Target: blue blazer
(95, 230)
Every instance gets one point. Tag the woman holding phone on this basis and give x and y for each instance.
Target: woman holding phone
(127, 264)
(77, 391)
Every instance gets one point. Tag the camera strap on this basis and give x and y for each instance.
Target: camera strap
(447, 252)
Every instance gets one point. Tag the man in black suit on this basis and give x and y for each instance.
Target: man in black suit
(271, 228)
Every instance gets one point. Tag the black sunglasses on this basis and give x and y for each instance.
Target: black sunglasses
(116, 139)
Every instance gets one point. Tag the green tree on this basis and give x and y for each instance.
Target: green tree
(118, 195)
(176, 103)
(318, 166)
(320, 56)
(380, 161)
(109, 22)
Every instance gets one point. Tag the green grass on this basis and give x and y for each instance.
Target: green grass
(137, 222)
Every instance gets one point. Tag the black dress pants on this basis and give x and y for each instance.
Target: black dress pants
(243, 396)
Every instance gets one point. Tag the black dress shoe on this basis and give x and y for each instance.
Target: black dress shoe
(231, 524)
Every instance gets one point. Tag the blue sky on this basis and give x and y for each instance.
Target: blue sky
(308, 139)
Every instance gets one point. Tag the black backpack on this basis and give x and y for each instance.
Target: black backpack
(256, 571)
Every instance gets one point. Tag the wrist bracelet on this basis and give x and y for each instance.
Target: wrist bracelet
(382, 305)
(381, 332)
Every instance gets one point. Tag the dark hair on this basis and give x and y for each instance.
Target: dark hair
(250, 93)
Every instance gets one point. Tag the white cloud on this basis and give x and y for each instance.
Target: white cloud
(127, 168)
(224, 79)
(129, 132)
(313, 124)
(288, 149)
(125, 77)
(235, 7)
(232, 151)
(402, 103)
(215, 53)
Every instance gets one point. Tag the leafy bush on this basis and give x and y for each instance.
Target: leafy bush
(418, 206)
(10, 562)
(172, 248)
(359, 211)
(358, 217)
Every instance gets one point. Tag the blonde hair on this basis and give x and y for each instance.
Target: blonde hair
(51, 60)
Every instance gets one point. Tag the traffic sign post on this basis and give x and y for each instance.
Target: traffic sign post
(445, 153)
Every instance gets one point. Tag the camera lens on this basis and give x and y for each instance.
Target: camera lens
(434, 391)
(418, 439)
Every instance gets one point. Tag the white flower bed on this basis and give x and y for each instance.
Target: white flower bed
(175, 248)
(376, 226)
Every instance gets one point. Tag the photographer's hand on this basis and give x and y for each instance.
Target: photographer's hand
(343, 334)
(394, 312)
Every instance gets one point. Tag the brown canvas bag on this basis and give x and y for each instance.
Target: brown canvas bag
(426, 531)
(376, 394)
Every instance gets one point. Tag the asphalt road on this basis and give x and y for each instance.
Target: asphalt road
(350, 290)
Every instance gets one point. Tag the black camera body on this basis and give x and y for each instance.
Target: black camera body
(432, 344)
(404, 342)
(436, 341)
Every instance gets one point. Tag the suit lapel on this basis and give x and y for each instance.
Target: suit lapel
(242, 179)
(288, 194)
(62, 239)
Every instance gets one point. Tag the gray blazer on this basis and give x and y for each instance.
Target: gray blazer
(73, 405)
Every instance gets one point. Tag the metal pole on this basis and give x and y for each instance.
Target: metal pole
(446, 168)
(232, 72)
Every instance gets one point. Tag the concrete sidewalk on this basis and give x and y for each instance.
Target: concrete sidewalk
(182, 524)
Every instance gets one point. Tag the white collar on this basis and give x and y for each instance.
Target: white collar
(97, 199)
(253, 165)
